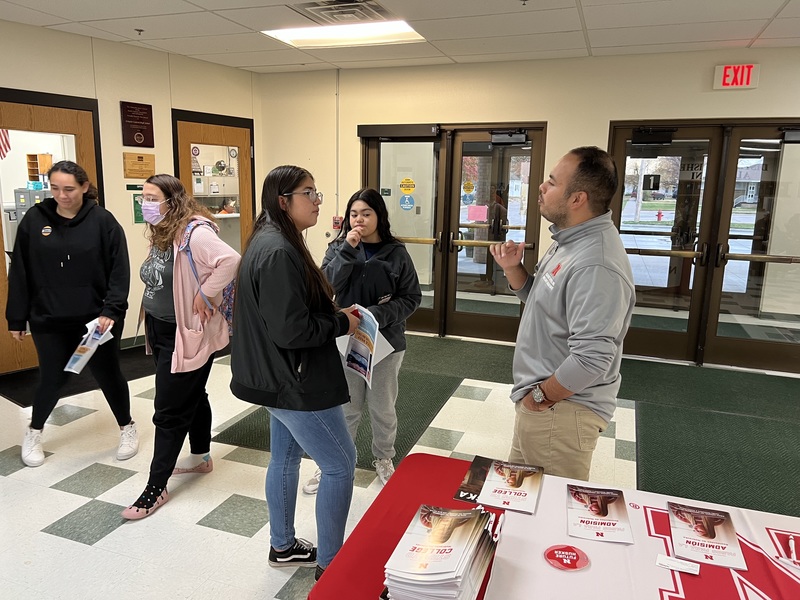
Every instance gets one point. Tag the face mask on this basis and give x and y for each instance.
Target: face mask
(151, 212)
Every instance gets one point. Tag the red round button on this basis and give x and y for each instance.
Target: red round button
(567, 558)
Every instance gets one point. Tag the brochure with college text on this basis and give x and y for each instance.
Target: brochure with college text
(597, 514)
(502, 484)
(366, 347)
(705, 535)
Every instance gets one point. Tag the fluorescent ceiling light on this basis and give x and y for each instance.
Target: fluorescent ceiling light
(360, 34)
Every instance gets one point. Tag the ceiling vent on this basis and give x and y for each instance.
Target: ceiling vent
(343, 12)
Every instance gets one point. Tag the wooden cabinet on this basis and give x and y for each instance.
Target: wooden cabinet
(38, 164)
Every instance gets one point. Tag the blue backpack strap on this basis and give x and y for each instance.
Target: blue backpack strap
(184, 245)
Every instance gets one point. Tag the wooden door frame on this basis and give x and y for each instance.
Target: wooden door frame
(22, 110)
(224, 121)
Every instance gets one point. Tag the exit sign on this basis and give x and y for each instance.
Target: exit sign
(736, 77)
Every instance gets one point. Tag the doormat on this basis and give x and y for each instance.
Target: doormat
(421, 397)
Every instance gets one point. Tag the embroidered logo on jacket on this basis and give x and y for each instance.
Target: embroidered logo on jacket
(550, 278)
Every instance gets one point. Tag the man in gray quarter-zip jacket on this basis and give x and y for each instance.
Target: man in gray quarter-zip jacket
(578, 306)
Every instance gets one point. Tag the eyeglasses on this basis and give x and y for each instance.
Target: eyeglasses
(152, 199)
(312, 195)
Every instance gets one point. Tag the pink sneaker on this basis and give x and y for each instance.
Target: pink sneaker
(205, 466)
(134, 512)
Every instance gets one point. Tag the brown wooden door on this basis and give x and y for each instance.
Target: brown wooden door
(220, 135)
(16, 356)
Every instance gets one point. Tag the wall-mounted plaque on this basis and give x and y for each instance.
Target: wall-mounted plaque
(139, 166)
(137, 124)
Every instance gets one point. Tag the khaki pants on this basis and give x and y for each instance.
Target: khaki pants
(560, 439)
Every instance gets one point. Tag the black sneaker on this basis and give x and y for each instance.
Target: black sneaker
(302, 554)
(318, 573)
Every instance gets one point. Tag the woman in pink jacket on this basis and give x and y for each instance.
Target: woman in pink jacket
(184, 275)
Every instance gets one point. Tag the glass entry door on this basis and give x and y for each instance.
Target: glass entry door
(714, 270)
(449, 198)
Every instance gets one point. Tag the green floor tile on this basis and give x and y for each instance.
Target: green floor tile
(225, 360)
(462, 456)
(443, 439)
(89, 523)
(67, 413)
(94, 480)
(241, 515)
(11, 462)
(249, 456)
(611, 430)
(147, 394)
(625, 450)
(364, 478)
(298, 586)
(623, 403)
(471, 392)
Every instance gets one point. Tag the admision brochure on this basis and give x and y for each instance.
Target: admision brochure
(597, 514)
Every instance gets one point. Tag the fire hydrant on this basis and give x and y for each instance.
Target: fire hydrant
(659, 214)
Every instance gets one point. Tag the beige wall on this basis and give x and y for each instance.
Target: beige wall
(72, 65)
(311, 118)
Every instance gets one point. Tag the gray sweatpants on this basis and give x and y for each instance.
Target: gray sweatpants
(380, 401)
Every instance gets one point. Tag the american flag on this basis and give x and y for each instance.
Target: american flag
(5, 143)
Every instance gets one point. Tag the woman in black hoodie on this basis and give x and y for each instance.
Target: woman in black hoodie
(69, 267)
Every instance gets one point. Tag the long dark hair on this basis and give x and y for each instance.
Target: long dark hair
(80, 175)
(181, 208)
(280, 182)
(375, 201)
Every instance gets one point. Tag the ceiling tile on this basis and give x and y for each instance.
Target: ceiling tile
(166, 26)
(782, 28)
(223, 4)
(586, 3)
(20, 14)
(254, 59)
(669, 34)
(446, 9)
(387, 52)
(672, 12)
(544, 21)
(91, 10)
(408, 62)
(776, 42)
(218, 44)
(666, 48)
(291, 68)
(260, 19)
(790, 10)
(81, 29)
(513, 43)
(513, 56)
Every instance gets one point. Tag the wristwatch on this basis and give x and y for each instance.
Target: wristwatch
(538, 394)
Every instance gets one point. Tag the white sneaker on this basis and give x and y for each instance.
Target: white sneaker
(384, 468)
(128, 442)
(312, 485)
(32, 452)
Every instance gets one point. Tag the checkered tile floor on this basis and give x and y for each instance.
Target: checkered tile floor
(62, 536)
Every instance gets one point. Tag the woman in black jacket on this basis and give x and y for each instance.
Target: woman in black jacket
(69, 267)
(284, 357)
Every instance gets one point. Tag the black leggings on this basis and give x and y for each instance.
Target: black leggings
(55, 349)
(181, 404)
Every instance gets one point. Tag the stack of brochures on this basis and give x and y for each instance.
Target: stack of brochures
(444, 553)
(501, 484)
(705, 535)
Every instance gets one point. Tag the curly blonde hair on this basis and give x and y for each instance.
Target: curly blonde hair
(181, 208)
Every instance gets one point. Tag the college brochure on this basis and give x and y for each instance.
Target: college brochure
(705, 535)
(502, 484)
(87, 346)
(443, 553)
(366, 347)
(597, 514)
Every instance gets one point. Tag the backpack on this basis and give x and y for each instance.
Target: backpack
(225, 307)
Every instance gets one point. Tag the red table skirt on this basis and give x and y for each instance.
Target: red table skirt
(357, 571)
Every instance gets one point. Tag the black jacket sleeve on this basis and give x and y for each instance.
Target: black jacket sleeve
(340, 258)
(18, 305)
(119, 272)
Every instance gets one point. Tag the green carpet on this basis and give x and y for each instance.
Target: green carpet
(472, 360)
(716, 435)
(419, 400)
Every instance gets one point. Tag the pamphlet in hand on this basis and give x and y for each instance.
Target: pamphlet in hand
(366, 347)
(87, 347)
(597, 514)
(502, 484)
(705, 535)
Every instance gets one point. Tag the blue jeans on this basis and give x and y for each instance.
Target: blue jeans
(323, 435)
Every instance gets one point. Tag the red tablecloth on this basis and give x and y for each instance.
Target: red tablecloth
(357, 571)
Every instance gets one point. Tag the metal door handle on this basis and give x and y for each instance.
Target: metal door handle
(721, 257)
(450, 245)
